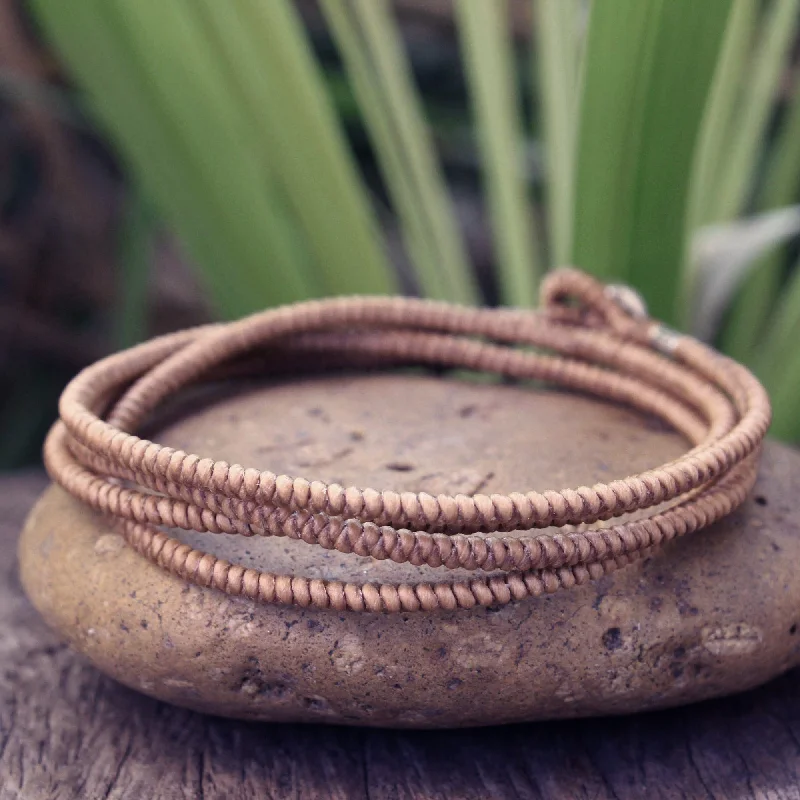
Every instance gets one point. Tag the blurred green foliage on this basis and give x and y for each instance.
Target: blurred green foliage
(658, 118)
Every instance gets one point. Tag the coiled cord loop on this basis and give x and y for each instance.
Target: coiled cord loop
(587, 337)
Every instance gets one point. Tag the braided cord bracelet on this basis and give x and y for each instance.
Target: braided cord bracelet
(587, 337)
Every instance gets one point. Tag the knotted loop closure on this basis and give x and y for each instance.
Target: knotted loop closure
(583, 339)
(572, 295)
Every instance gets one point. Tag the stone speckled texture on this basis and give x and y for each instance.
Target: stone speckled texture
(712, 614)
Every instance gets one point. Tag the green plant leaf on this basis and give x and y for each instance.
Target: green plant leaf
(750, 314)
(189, 88)
(557, 43)
(148, 81)
(724, 254)
(648, 67)
(719, 116)
(488, 56)
(135, 252)
(715, 130)
(271, 74)
(743, 151)
(778, 362)
(782, 178)
(372, 50)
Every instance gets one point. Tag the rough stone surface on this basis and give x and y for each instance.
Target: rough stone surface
(67, 732)
(709, 615)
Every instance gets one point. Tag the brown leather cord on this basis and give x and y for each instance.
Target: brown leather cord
(588, 337)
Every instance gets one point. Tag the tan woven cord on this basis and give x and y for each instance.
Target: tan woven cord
(587, 337)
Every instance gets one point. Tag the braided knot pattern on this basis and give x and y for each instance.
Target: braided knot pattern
(581, 340)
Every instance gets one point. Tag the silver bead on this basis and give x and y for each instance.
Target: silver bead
(628, 299)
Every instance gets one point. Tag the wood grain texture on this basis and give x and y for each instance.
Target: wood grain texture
(68, 732)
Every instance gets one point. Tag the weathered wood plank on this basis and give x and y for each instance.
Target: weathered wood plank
(68, 732)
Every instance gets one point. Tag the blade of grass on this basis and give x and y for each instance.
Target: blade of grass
(742, 157)
(782, 178)
(232, 250)
(715, 131)
(119, 97)
(385, 45)
(778, 364)
(373, 54)
(558, 60)
(724, 254)
(757, 100)
(134, 257)
(271, 73)
(616, 62)
(371, 100)
(780, 189)
(718, 119)
(488, 55)
(750, 316)
(648, 68)
(188, 88)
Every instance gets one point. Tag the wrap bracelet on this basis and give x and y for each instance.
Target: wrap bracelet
(587, 337)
